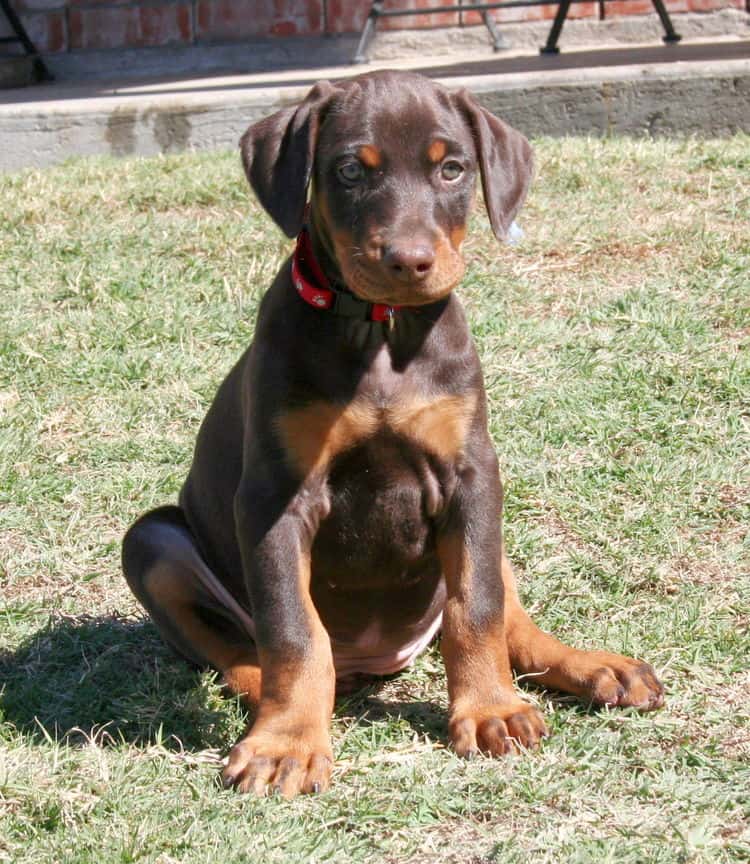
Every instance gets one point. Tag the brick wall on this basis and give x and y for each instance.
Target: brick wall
(79, 25)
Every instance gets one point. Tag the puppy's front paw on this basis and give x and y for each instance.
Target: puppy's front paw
(284, 763)
(496, 729)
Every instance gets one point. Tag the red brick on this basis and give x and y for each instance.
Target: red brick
(645, 7)
(711, 5)
(627, 7)
(613, 8)
(514, 13)
(347, 16)
(47, 31)
(218, 20)
(419, 22)
(581, 10)
(284, 28)
(474, 19)
(519, 13)
(129, 26)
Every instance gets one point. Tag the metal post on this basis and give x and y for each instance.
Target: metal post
(557, 25)
(360, 55)
(499, 42)
(41, 72)
(666, 22)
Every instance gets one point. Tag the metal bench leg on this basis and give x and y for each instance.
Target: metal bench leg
(666, 22)
(41, 72)
(360, 55)
(557, 25)
(499, 42)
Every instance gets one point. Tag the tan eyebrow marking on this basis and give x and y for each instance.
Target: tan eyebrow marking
(436, 151)
(370, 156)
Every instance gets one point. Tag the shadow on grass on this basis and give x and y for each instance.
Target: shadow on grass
(370, 709)
(84, 676)
(425, 718)
(113, 678)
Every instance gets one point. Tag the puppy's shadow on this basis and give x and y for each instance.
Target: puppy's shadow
(425, 718)
(388, 700)
(111, 678)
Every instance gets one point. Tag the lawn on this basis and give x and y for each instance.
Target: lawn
(616, 347)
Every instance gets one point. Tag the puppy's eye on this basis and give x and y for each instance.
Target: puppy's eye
(351, 172)
(451, 170)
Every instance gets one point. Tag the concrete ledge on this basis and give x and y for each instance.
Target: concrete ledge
(707, 99)
(587, 96)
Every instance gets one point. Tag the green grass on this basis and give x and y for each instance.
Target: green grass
(616, 347)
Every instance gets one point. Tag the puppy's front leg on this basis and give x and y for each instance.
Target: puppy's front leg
(486, 714)
(288, 748)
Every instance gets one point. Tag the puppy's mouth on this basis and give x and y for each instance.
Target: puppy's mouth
(382, 281)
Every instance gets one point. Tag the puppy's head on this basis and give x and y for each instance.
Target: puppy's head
(392, 160)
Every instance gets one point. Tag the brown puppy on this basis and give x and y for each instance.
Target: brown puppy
(344, 500)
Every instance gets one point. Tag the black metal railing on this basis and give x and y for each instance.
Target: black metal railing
(41, 72)
(378, 10)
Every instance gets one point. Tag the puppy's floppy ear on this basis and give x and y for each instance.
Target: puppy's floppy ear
(277, 154)
(506, 163)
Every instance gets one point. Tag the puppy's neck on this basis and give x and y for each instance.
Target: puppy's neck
(322, 247)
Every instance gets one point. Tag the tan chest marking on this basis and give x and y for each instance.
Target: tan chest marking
(314, 435)
(440, 426)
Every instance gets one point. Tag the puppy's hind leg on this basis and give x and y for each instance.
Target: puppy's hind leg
(192, 610)
(596, 676)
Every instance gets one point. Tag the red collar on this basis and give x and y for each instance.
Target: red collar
(314, 288)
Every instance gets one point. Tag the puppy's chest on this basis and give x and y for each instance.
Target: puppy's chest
(406, 428)
(388, 463)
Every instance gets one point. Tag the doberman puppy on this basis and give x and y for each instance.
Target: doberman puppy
(344, 501)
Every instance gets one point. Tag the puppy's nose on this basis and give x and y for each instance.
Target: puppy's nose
(409, 261)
